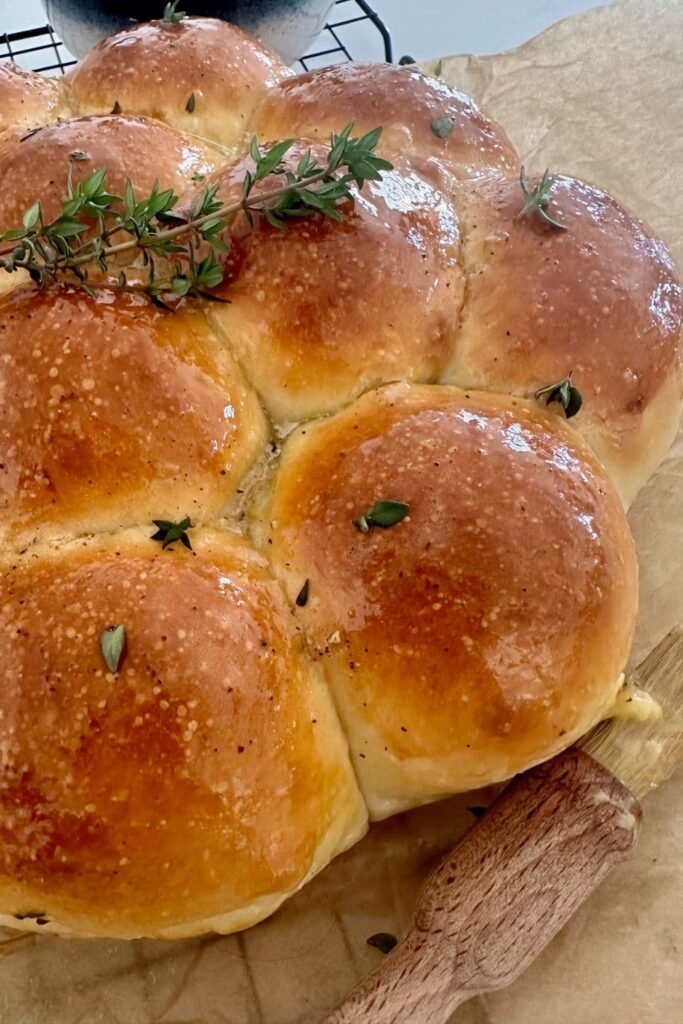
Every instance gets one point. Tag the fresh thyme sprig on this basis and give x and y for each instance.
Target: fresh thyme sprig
(151, 228)
(169, 532)
(537, 199)
(171, 15)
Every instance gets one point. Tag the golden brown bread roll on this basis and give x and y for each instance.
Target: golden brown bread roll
(28, 100)
(208, 778)
(600, 300)
(114, 413)
(326, 309)
(420, 116)
(488, 629)
(192, 790)
(38, 166)
(201, 75)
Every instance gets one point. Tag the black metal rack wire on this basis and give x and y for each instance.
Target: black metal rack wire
(36, 49)
(40, 49)
(334, 49)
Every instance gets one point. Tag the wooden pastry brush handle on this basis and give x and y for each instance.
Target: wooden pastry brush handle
(502, 894)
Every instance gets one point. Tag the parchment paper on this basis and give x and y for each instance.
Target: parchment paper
(599, 95)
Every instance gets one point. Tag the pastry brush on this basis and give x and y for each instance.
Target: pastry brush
(524, 868)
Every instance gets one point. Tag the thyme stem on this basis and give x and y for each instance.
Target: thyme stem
(48, 250)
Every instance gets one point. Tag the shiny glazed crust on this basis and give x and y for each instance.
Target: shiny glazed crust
(600, 300)
(488, 629)
(196, 787)
(204, 781)
(404, 100)
(226, 71)
(339, 307)
(115, 413)
(39, 165)
(28, 100)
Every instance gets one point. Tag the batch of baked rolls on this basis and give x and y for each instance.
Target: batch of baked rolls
(399, 572)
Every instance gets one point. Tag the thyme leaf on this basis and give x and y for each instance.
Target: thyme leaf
(169, 532)
(477, 812)
(383, 513)
(171, 15)
(563, 392)
(112, 642)
(39, 916)
(443, 126)
(537, 199)
(383, 941)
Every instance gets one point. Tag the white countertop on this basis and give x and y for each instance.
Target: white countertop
(420, 28)
(431, 28)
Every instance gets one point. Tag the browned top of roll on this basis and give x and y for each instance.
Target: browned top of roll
(179, 787)
(325, 309)
(201, 74)
(26, 98)
(38, 166)
(115, 412)
(600, 299)
(420, 116)
(489, 627)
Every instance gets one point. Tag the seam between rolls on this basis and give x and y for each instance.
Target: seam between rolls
(224, 339)
(461, 312)
(64, 91)
(451, 377)
(467, 271)
(301, 636)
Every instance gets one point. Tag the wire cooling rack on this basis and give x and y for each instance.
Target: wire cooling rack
(36, 49)
(41, 49)
(333, 43)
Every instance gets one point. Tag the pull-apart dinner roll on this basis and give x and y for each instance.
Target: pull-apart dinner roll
(421, 116)
(201, 75)
(28, 100)
(37, 167)
(487, 629)
(326, 309)
(599, 300)
(193, 789)
(115, 412)
(432, 588)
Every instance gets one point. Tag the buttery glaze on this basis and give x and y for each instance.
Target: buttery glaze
(490, 627)
(227, 72)
(38, 166)
(403, 101)
(327, 309)
(635, 705)
(115, 412)
(27, 99)
(179, 788)
(600, 299)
